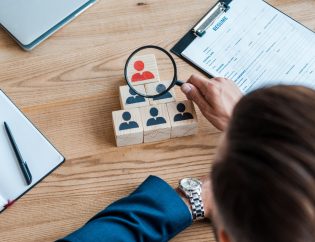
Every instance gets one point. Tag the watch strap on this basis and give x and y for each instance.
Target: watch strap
(197, 208)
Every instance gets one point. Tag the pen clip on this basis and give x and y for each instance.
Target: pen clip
(27, 173)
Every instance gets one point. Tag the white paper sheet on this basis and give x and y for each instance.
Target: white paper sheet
(39, 154)
(256, 45)
(3, 202)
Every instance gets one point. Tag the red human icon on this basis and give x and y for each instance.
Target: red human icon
(145, 75)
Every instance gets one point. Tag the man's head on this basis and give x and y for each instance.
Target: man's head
(264, 177)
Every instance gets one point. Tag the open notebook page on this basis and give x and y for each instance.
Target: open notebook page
(39, 154)
(3, 202)
(256, 45)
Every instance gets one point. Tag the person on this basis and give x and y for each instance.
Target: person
(182, 115)
(134, 98)
(159, 89)
(138, 76)
(127, 124)
(262, 184)
(155, 120)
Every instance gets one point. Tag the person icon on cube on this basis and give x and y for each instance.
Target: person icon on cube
(127, 124)
(134, 98)
(182, 115)
(144, 76)
(159, 89)
(155, 120)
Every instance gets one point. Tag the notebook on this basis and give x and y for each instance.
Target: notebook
(42, 158)
(252, 43)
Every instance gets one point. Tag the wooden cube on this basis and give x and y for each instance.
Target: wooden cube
(143, 70)
(159, 87)
(129, 99)
(128, 127)
(156, 123)
(183, 118)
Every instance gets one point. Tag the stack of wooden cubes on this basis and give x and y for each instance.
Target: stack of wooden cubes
(143, 120)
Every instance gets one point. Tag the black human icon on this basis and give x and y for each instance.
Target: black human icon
(155, 120)
(134, 98)
(182, 115)
(128, 124)
(159, 89)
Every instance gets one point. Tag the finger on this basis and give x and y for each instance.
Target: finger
(219, 79)
(209, 88)
(202, 83)
(193, 94)
(223, 81)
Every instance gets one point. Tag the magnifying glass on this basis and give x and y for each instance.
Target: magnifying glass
(151, 72)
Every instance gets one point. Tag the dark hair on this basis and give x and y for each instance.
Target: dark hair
(264, 184)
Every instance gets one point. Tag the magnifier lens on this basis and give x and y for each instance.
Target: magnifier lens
(150, 72)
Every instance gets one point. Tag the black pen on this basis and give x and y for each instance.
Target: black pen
(26, 172)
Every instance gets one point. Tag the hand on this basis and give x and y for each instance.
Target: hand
(206, 194)
(215, 98)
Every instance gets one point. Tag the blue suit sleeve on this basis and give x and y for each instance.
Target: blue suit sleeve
(153, 212)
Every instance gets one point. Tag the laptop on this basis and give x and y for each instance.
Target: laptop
(30, 22)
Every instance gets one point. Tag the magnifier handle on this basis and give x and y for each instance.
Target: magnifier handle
(179, 83)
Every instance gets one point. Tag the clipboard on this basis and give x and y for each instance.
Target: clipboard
(201, 27)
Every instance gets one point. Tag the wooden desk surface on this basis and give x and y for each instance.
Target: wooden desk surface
(68, 87)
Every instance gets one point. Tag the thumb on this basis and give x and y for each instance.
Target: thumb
(193, 94)
(186, 89)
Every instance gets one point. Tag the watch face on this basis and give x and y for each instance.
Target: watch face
(190, 183)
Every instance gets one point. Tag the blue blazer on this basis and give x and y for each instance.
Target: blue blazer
(153, 212)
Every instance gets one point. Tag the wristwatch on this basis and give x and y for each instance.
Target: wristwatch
(191, 187)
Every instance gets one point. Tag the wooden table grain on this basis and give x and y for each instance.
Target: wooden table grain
(68, 87)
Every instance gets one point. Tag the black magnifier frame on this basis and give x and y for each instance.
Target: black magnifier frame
(174, 81)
